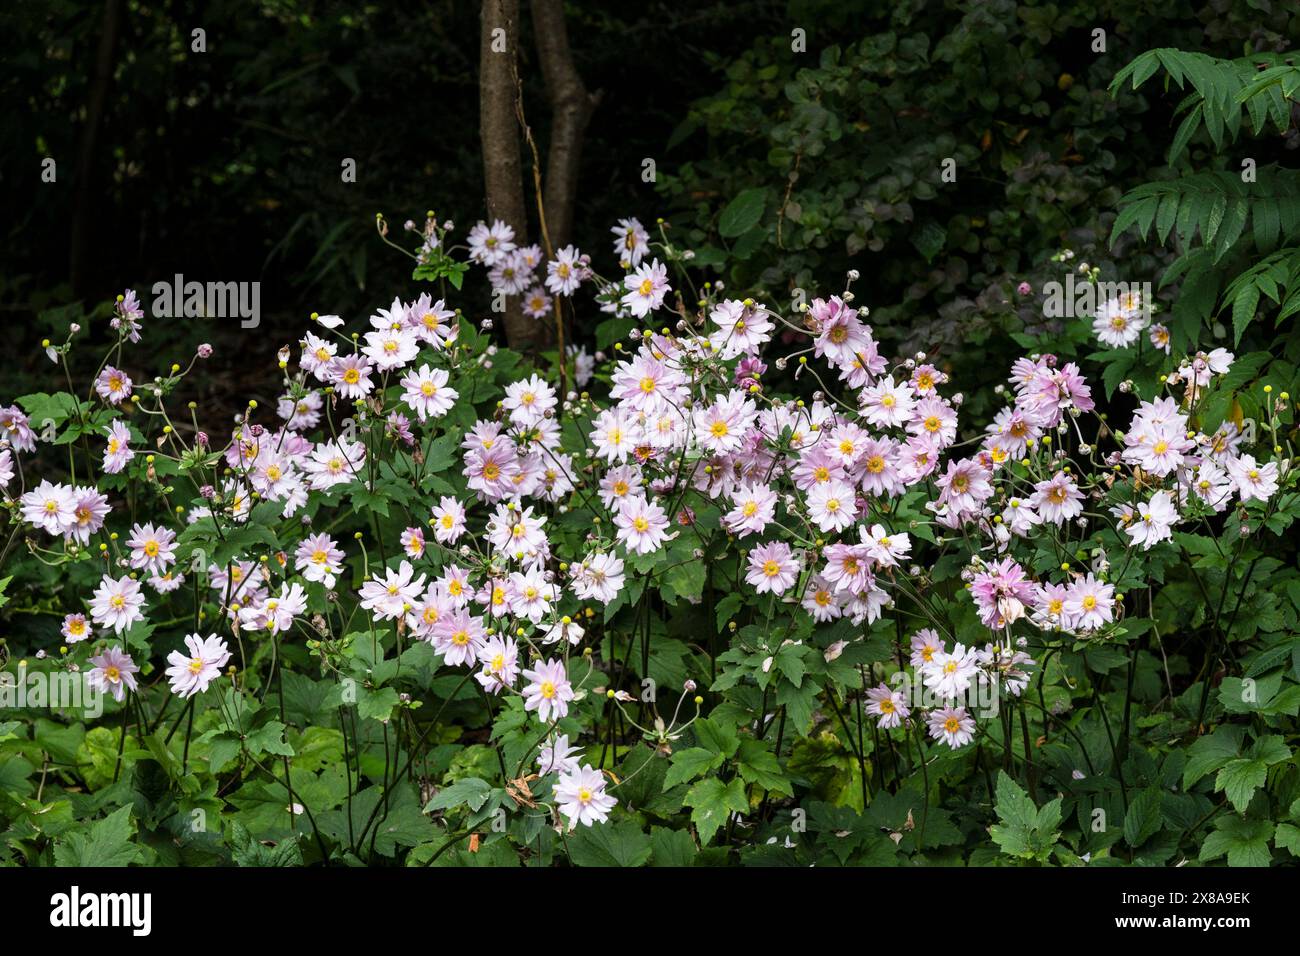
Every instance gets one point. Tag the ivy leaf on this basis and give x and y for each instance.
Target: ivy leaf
(106, 843)
(711, 801)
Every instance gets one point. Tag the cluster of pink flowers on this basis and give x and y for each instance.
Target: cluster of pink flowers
(827, 498)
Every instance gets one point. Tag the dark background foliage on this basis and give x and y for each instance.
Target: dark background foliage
(225, 165)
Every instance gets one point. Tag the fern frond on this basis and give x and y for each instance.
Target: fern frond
(1276, 277)
(1259, 87)
(1217, 207)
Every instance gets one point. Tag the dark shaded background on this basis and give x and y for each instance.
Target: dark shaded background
(225, 165)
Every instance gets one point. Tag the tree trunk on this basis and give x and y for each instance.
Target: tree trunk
(499, 130)
(571, 109)
(84, 214)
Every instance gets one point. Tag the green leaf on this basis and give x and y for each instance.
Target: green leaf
(716, 737)
(1239, 779)
(223, 747)
(1014, 807)
(246, 851)
(1287, 837)
(727, 607)
(742, 213)
(1144, 817)
(1243, 310)
(269, 739)
(1025, 831)
(106, 842)
(671, 847)
(758, 765)
(610, 844)
(712, 801)
(1208, 754)
(378, 704)
(1245, 842)
(472, 792)
(929, 240)
(691, 763)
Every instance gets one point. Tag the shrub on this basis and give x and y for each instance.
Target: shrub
(666, 605)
